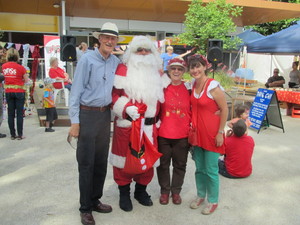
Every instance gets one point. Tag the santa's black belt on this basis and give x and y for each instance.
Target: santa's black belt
(148, 120)
(137, 154)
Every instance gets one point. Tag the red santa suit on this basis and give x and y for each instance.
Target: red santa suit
(122, 127)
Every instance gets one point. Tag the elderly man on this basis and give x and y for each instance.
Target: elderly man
(90, 116)
(275, 80)
(138, 84)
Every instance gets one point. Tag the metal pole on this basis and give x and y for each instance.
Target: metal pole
(63, 16)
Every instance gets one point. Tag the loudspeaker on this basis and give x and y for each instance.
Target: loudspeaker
(67, 48)
(215, 51)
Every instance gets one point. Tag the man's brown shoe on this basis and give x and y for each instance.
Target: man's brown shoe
(87, 219)
(102, 208)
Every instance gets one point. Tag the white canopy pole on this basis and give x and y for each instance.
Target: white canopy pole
(63, 16)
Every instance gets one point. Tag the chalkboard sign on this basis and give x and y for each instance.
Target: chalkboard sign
(265, 107)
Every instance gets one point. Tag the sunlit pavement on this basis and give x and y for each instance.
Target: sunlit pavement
(39, 184)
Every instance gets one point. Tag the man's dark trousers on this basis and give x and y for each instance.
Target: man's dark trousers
(92, 153)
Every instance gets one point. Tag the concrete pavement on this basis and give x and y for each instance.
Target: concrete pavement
(39, 184)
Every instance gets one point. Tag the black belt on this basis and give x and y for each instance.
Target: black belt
(148, 120)
(135, 153)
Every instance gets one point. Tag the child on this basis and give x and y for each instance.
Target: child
(238, 153)
(48, 103)
(241, 112)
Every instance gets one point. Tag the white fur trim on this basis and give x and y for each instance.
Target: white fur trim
(120, 81)
(116, 160)
(165, 80)
(119, 106)
(157, 163)
(148, 130)
(151, 110)
(123, 123)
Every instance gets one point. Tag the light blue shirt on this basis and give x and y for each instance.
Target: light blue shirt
(166, 58)
(93, 82)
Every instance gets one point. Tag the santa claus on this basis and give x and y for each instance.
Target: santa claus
(138, 84)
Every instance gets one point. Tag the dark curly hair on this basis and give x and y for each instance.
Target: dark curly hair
(197, 60)
(240, 109)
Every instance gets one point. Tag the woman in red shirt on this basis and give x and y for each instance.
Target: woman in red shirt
(209, 115)
(59, 74)
(173, 132)
(15, 78)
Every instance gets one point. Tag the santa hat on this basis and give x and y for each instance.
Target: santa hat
(177, 61)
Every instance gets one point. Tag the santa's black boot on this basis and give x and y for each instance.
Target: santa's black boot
(125, 201)
(141, 195)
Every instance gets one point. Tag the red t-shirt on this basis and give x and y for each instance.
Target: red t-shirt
(205, 119)
(238, 156)
(54, 73)
(175, 112)
(14, 75)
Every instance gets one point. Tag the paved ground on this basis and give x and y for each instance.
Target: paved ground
(39, 184)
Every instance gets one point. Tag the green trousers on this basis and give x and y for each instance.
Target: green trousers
(207, 176)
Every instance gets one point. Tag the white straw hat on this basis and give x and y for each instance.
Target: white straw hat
(107, 29)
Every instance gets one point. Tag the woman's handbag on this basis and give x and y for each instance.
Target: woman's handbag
(192, 138)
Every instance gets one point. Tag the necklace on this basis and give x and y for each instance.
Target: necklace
(201, 86)
(174, 104)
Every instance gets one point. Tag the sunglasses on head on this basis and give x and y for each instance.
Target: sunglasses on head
(177, 68)
(143, 49)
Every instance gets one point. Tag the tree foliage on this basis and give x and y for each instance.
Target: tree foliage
(212, 20)
(273, 27)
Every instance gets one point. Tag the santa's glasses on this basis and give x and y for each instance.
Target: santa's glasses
(143, 49)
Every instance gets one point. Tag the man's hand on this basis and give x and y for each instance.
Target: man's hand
(74, 130)
(132, 111)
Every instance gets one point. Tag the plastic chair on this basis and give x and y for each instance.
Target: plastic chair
(66, 92)
(296, 111)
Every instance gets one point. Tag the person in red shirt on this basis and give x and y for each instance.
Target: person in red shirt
(209, 115)
(238, 152)
(15, 79)
(59, 74)
(173, 132)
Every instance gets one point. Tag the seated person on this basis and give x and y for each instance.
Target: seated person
(241, 112)
(238, 153)
(59, 74)
(275, 80)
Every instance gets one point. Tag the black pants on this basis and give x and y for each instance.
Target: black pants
(291, 84)
(15, 105)
(223, 171)
(175, 150)
(92, 153)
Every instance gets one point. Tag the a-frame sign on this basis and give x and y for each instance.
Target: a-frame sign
(265, 107)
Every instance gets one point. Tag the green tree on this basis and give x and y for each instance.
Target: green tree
(211, 20)
(273, 27)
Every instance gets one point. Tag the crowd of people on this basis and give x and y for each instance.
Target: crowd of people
(154, 111)
(158, 120)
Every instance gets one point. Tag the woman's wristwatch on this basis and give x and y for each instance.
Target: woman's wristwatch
(221, 132)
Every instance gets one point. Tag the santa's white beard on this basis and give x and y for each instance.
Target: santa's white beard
(144, 82)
